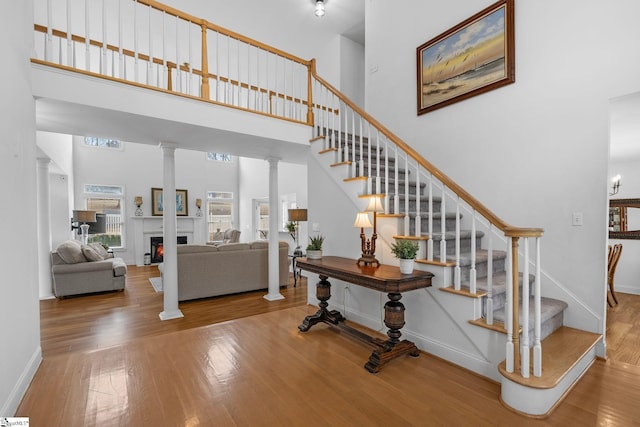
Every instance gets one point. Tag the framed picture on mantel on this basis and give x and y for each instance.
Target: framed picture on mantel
(157, 202)
(475, 56)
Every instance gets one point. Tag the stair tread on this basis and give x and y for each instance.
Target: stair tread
(560, 352)
(549, 308)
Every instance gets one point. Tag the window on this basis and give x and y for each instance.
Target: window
(219, 212)
(92, 141)
(109, 200)
(219, 157)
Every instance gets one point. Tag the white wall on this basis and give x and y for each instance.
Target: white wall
(535, 151)
(352, 70)
(138, 167)
(20, 326)
(627, 276)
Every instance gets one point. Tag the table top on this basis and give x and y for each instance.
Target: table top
(385, 278)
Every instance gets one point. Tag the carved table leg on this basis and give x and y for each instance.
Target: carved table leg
(323, 293)
(393, 347)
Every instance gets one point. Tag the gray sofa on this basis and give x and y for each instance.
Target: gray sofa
(82, 269)
(206, 270)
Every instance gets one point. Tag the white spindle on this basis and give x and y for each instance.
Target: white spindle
(353, 143)
(121, 68)
(396, 183)
(386, 175)
(407, 184)
(70, 50)
(361, 171)
(48, 40)
(190, 67)
(178, 77)
(472, 271)
(508, 310)
(430, 224)
(418, 219)
(217, 98)
(103, 62)
(443, 241)
(87, 45)
(378, 154)
(150, 62)
(537, 346)
(524, 365)
(456, 270)
(489, 299)
(135, 41)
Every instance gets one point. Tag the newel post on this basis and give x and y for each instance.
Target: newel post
(311, 67)
(515, 298)
(204, 88)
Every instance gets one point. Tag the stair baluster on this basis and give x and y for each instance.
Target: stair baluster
(524, 359)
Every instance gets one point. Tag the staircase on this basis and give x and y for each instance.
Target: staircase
(460, 253)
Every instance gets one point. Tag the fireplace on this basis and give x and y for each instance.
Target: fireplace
(157, 249)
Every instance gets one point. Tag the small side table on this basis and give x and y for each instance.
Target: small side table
(297, 272)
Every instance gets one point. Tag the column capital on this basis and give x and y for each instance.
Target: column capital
(168, 145)
(273, 159)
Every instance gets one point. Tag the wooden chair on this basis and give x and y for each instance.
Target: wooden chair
(613, 258)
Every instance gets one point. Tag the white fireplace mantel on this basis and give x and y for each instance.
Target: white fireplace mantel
(145, 227)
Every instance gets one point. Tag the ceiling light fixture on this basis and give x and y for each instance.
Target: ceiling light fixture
(319, 12)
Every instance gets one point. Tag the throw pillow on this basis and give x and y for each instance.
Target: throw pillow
(91, 254)
(100, 250)
(71, 252)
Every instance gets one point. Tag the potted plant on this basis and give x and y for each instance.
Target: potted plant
(314, 249)
(405, 251)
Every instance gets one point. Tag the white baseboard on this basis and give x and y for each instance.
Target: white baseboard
(627, 290)
(10, 407)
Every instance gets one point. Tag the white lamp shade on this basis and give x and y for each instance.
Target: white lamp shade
(362, 220)
(375, 205)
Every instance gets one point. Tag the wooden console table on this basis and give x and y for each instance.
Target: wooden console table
(383, 278)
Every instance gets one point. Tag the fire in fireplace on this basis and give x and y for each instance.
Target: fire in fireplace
(157, 248)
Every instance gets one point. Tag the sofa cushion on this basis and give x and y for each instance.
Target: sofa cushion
(100, 249)
(71, 252)
(259, 244)
(91, 254)
(192, 249)
(234, 247)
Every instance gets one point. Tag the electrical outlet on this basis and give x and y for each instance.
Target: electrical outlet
(577, 219)
(315, 227)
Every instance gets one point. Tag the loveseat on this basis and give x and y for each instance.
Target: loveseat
(82, 269)
(206, 270)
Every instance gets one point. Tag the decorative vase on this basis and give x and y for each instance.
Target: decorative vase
(311, 254)
(406, 266)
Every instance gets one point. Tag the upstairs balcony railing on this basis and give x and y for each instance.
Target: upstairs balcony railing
(147, 44)
(143, 42)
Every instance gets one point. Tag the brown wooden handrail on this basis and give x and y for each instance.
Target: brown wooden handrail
(171, 65)
(187, 17)
(464, 195)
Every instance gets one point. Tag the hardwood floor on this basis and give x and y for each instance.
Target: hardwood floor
(109, 361)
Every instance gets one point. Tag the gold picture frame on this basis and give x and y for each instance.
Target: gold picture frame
(182, 205)
(475, 56)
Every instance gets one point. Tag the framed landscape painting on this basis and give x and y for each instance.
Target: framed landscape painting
(475, 56)
(157, 202)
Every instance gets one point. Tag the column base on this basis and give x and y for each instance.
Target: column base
(273, 297)
(171, 315)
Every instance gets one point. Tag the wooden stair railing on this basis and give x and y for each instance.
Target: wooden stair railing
(354, 135)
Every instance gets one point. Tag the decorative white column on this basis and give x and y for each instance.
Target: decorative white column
(169, 234)
(274, 261)
(44, 230)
